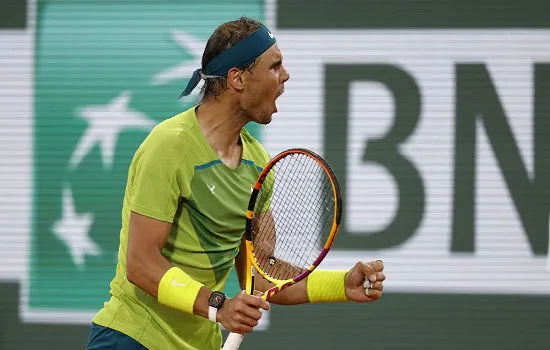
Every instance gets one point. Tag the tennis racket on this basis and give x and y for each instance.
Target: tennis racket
(291, 223)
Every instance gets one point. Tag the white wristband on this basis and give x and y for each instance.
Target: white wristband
(212, 312)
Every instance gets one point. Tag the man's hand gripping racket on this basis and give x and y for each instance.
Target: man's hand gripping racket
(292, 220)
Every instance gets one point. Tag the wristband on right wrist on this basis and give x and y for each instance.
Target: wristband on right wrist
(178, 290)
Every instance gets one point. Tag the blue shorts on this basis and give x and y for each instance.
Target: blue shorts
(102, 338)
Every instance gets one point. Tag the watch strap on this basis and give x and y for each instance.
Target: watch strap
(212, 313)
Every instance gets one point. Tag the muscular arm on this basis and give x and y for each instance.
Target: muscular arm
(145, 264)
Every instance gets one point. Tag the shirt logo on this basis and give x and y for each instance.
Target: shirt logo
(212, 187)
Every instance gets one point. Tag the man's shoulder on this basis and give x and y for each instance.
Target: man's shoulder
(172, 134)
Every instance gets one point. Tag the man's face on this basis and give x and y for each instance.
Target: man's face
(264, 84)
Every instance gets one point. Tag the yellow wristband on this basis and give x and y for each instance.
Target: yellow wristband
(326, 286)
(178, 290)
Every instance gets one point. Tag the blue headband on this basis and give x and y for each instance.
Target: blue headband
(239, 55)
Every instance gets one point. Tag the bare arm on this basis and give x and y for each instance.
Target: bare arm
(145, 264)
(297, 293)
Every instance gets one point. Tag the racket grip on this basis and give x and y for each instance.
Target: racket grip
(233, 341)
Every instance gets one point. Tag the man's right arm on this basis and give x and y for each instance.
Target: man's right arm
(145, 264)
(146, 267)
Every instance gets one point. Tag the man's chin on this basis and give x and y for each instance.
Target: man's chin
(265, 121)
(265, 118)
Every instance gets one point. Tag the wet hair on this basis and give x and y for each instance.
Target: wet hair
(224, 37)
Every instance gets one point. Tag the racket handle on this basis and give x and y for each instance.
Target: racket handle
(233, 341)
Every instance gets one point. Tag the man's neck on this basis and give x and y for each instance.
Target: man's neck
(221, 124)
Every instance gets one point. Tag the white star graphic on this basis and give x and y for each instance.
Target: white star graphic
(73, 230)
(105, 124)
(186, 68)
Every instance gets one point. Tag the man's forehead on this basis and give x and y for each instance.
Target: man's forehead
(272, 54)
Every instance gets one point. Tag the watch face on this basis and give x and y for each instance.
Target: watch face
(216, 299)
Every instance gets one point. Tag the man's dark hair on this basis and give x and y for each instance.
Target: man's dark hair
(224, 37)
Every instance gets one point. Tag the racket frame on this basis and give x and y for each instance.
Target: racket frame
(252, 263)
(233, 341)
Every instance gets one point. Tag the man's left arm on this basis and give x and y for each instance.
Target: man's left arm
(349, 284)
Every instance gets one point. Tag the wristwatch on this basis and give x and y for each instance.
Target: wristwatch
(215, 302)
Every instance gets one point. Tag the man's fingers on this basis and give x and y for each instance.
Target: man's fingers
(256, 302)
(373, 293)
(373, 270)
(264, 304)
(252, 314)
(373, 280)
(242, 328)
(377, 265)
(378, 286)
(373, 285)
(248, 309)
(368, 271)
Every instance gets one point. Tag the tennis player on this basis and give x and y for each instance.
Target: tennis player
(183, 213)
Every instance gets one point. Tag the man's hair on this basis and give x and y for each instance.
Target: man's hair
(224, 37)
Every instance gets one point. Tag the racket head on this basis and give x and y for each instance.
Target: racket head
(293, 217)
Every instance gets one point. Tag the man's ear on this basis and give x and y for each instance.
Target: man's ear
(235, 79)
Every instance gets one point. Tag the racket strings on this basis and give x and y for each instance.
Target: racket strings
(289, 236)
(311, 246)
(314, 247)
